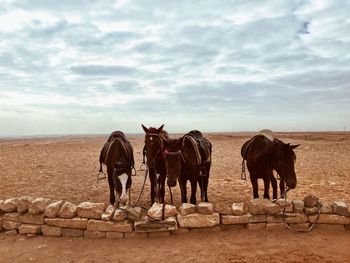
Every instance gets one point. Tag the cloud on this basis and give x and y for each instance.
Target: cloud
(258, 64)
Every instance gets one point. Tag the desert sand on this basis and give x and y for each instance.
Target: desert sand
(65, 168)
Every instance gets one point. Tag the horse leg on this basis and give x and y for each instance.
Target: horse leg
(282, 186)
(183, 189)
(254, 182)
(274, 187)
(266, 187)
(161, 188)
(206, 182)
(153, 180)
(193, 190)
(111, 189)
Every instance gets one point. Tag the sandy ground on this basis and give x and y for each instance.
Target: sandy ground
(66, 168)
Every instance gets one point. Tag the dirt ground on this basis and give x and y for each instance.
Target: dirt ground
(66, 168)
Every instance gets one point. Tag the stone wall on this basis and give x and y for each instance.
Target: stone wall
(41, 216)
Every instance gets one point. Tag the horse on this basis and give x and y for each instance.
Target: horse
(189, 159)
(153, 149)
(117, 154)
(263, 154)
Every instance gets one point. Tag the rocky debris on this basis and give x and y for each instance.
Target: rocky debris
(90, 210)
(237, 209)
(156, 211)
(9, 205)
(10, 225)
(310, 201)
(108, 213)
(205, 208)
(168, 224)
(11, 233)
(68, 210)
(133, 213)
(186, 209)
(311, 210)
(38, 205)
(340, 208)
(24, 203)
(327, 208)
(295, 218)
(223, 209)
(285, 205)
(262, 206)
(25, 218)
(198, 220)
(234, 220)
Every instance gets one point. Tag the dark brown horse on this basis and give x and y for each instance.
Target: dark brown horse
(189, 158)
(117, 155)
(153, 149)
(263, 154)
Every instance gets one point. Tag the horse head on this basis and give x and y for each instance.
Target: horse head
(283, 159)
(153, 144)
(173, 160)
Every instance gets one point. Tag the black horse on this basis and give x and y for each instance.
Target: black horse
(264, 154)
(153, 149)
(189, 159)
(117, 155)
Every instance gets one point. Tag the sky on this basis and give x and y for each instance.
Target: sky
(87, 67)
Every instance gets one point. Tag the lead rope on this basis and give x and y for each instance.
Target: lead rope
(243, 174)
(284, 215)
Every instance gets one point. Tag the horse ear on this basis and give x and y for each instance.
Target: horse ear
(294, 146)
(160, 129)
(144, 128)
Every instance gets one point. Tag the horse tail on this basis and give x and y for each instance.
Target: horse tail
(243, 174)
(195, 148)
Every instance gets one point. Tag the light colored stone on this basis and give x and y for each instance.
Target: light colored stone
(29, 229)
(205, 208)
(108, 213)
(186, 209)
(327, 208)
(133, 213)
(119, 215)
(262, 206)
(52, 209)
(68, 232)
(38, 205)
(52, 231)
(68, 210)
(310, 201)
(24, 203)
(256, 218)
(295, 218)
(79, 223)
(11, 233)
(237, 209)
(233, 220)
(270, 219)
(330, 219)
(94, 234)
(90, 210)
(114, 235)
(9, 205)
(223, 209)
(198, 220)
(340, 208)
(25, 218)
(311, 210)
(285, 205)
(298, 206)
(109, 226)
(156, 211)
(256, 226)
(10, 225)
(169, 224)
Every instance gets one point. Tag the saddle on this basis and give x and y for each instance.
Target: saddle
(267, 134)
(125, 143)
(204, 146)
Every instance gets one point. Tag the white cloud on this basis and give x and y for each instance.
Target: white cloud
(258, 64)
